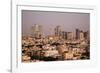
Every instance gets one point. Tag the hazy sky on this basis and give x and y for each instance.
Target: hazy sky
(49, 20)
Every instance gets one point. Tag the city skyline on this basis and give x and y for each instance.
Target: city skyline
(49, 20)
(55, 36)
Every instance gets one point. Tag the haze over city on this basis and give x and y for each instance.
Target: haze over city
(69, 21)
(55, 36)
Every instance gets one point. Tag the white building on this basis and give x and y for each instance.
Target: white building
(51, 53)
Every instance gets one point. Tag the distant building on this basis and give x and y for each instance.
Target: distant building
(82, 35)
(77, 33)
(86, 35)
(37, 31)
(64, 35)
(58, 31)
(70, 36)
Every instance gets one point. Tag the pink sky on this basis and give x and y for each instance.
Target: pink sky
(49, 20)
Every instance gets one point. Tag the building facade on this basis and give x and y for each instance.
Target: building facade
(37, 31)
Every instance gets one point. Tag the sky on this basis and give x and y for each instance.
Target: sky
(69, 21)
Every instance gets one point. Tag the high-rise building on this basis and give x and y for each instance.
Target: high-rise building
(86, 35)
(64, 34)
(37, 31)
(58, 31)
(77, 34)
(82, 35)
(70, 36)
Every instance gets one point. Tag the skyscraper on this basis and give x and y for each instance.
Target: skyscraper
(82, 35)
(70, 36)
(64, 34)
(58, 31)
(77, 34)
(37, 31)
(86, 35)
